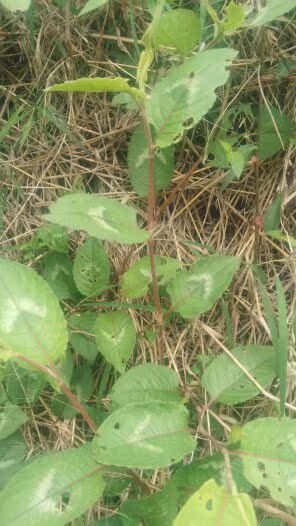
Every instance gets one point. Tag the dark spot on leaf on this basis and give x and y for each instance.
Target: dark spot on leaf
(188, 123)
(242, 386)
(280, 490)
(117, 425)
(177, 137)
(209, 505)
(264, 475)
(261, 466)
(280, 444)
(173, 460)
(192, 75)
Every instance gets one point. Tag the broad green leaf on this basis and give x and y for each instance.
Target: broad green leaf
(136, 280)
(269, 141)
(196, 291)
(144, 436)
(16, 5)
(57, 272)
(178, 30)
(23, 386)
(91, 269)
(125, 99)
(82, 334)
(227, 383)
(186, 94)
(116, 338)
(97, 85)
(91, 5)
(145, 383)
(272, 10)
(212, 505)
(237, 163)
(159, 509)
(191, 477)
(101, 217)
(272, 217)
(53, 237)
(268, 455)
(138, 164)
(235, 17)
(12, 452)
(11, 418)
(277, 234)
(52, 490)
(31, 320)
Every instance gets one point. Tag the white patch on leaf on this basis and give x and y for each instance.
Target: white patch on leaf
(114, 338)
(136, 435)
(142, 158)
(97, 214)
(42, 493)
(14, 309)
(207, 280)
(146, 272)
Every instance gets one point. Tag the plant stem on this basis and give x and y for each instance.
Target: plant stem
(271, 510)
(53, 372)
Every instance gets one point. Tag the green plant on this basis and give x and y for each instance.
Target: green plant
(148, 426)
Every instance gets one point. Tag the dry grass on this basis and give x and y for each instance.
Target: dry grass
(49, 163)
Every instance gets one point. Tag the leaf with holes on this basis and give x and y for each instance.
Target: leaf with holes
(91, 268)
(227, 383)
(91, 5)
(212, 505)
(272, 10)
(97, 85)
(53, 237)
(144, 436)
(82, 334)
(16, 5)
(187, 93)
(268, 447)
(275, 132)
(136, 280)
(196, 291)
(138, 164)
(178, 31)
(116, 338)
(53, 489)
(11, 418)
(145, 383)
(57, 272)
(31, 320)
(101, 217)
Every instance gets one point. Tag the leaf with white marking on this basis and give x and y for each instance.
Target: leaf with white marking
(144, 383)
(272, 10)
(53, 489)
(136, 280)
(31, 320)
(180, 100)
(138, 164)
(91, 268)
(116, 338)
(101, 217)
(12, 451)
(144, 436)
(195, 291)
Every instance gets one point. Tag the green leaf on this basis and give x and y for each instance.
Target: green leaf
(272, 217)
(235, 17)
(117, 480)
(145, 436)
(91, 268)
(145, 383)
(11, 418)
(31, 320)
(53, 237)
(178, 30)
(237, 163)
(186, 94)
(97, 85)
(16, 5)
(277, 234)
(57, 272)
(138, 164)
(82, 335)
(159, 509)
(53, 489)
(23, 386)
(212, 505)
(268, 455)
(12, 452)
(192, 476)
(271, 128)
(81, 384)
(227, 383)
(196, 291)
(91, 5)
(101, 217)
(125, 99)
(136, 280)
(116, 338)
(272, 10)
